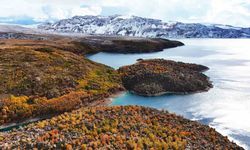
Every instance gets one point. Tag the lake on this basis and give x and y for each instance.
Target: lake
(226, 107)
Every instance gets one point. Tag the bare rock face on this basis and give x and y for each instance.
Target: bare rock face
(157, 77)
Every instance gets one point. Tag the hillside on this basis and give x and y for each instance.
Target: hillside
(143, 27)
(40, 81)
(129, 127)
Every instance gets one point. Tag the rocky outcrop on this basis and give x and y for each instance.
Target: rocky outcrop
(157, 76)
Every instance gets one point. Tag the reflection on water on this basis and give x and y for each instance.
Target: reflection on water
(226, 107)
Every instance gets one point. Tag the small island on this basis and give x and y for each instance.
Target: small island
(156, 77)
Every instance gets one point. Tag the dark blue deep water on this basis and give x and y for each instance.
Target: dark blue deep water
(226, 107)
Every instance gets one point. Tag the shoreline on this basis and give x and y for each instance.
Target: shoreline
(171, 93)
(110, 99)
(107, 101)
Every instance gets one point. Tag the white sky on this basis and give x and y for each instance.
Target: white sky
(233, 12)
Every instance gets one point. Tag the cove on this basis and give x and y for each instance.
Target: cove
(226, 107)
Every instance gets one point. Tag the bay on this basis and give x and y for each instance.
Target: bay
(226, 107)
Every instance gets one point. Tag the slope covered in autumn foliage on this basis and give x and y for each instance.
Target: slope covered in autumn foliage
(37, 81)
(118, 127)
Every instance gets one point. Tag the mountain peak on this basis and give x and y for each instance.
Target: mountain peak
(143, 27)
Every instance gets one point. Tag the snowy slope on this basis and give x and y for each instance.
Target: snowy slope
(143, 27)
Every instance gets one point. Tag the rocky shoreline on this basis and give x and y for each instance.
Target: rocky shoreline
(156, 77)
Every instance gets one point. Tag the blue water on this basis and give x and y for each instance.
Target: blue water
(226, 107)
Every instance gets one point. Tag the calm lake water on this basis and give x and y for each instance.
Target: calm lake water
(226, 107)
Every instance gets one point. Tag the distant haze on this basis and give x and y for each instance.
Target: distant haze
(232, 12)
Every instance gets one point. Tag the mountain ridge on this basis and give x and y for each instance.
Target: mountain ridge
(143, 27)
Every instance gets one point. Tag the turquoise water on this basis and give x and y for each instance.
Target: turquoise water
(226, 107)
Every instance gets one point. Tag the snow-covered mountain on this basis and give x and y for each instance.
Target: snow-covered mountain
(143, 27)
